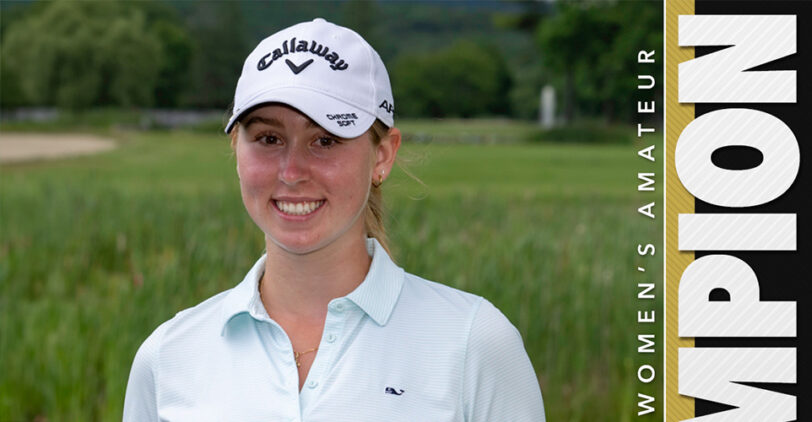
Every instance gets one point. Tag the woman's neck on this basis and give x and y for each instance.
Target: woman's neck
(301, 286)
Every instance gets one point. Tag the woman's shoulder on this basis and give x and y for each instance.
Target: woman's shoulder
(172, 341)
(449, 303)
(190, 322)
(204, 313)
(455, 322)
(433, 293)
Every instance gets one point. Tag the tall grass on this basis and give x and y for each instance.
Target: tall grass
(95, 252)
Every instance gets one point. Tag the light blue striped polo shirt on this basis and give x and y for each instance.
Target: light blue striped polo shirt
(398, 348)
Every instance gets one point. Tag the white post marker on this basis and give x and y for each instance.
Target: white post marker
(547, 109)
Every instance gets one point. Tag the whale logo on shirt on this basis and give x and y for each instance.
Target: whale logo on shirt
(390, 390)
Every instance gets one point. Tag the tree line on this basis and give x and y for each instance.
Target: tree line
(459, 59)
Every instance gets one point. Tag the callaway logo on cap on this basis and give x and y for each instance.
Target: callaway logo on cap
(326, 71)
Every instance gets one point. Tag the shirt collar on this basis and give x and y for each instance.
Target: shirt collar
(380, 290)
(376, 295)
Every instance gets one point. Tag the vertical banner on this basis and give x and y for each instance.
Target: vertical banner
(678, 201)
(737, 200)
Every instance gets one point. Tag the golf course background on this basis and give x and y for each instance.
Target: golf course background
(97, 251)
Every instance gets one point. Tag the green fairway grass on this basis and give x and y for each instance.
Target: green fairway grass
(97, 251)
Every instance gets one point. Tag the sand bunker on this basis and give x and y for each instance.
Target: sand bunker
(19, 147)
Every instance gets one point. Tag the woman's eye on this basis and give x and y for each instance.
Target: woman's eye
(267, 139)
(326, 142)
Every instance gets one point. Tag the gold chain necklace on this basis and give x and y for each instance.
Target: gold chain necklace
(296, 354)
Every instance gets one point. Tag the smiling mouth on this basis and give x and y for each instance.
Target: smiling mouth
(298, 208)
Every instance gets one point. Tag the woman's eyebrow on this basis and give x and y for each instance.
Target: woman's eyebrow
(270, 121)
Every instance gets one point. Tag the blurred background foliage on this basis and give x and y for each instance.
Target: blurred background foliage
(446, 59)
(96, 251)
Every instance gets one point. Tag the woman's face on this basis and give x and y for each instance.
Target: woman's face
(305, 188)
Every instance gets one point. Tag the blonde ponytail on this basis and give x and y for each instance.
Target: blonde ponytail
(374, 213)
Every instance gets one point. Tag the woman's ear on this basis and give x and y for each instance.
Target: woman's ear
(234, 135)
(386, 151)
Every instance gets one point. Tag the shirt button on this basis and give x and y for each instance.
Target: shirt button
(339, 307)
(312, 384)
(331, 338)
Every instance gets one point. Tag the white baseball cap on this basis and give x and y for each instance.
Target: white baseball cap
(326, 71)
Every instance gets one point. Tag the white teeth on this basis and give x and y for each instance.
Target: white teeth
(298, 208)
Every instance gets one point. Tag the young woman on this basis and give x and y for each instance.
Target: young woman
(325, 327)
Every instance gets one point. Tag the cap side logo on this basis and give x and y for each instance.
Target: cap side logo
(292, 46)
(386, 105)
(296, 69)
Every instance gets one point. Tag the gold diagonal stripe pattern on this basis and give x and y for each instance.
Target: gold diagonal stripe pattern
(678, 200)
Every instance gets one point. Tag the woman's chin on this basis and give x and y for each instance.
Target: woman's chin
(296, 245)
(303, 241)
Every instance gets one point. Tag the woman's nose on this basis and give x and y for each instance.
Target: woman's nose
(294, 168)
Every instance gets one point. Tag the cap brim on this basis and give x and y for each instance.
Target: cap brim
(335, 116)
